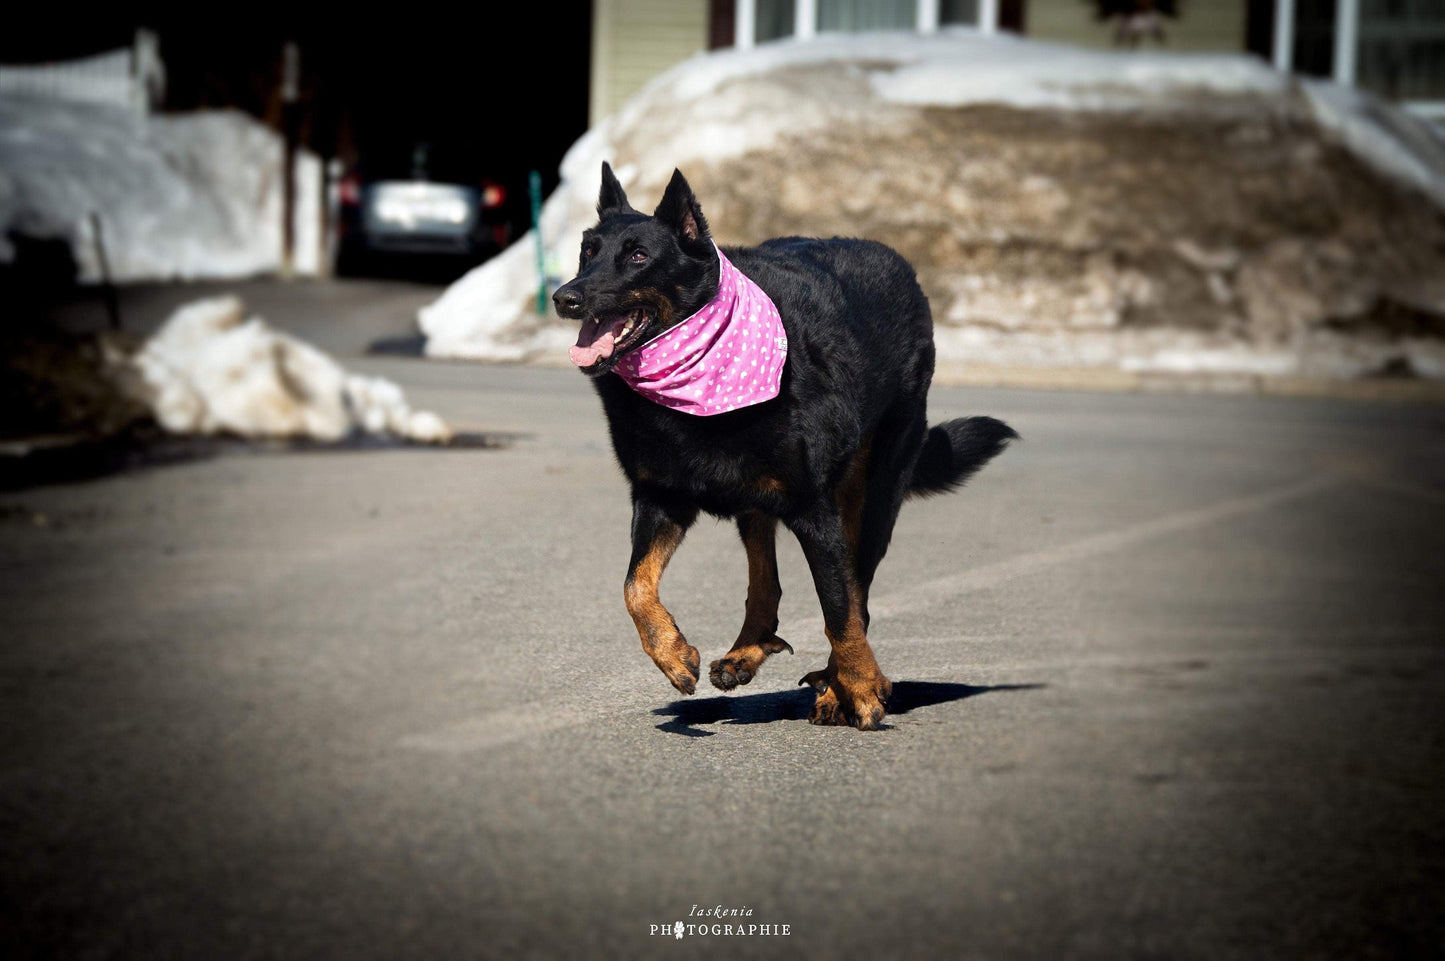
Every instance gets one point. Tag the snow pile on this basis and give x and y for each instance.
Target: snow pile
(178, 197)
(491, 313)
(105, 78)
(1063, 207)
(209, 371)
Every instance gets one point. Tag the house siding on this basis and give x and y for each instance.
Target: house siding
(635, 40)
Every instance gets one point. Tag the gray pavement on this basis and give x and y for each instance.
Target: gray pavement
(1168, 679)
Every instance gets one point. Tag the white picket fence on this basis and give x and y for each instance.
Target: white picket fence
(133, 77)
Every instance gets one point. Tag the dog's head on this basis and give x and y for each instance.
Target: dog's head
(638, 275)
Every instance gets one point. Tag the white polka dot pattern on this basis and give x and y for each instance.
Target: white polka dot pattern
(729, 354)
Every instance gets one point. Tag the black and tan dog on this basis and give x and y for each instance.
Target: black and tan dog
(832, 456)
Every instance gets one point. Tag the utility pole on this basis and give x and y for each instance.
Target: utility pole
(290, 124)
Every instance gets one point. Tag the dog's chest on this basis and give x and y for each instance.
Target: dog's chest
(707, 471)
(725, 465)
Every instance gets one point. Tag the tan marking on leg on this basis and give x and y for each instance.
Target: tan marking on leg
(757, 640)
(853, 676)
(661, 639)
(764, 591)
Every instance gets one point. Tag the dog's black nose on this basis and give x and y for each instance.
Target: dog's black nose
(568, 302)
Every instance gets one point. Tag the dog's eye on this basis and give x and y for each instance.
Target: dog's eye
(638, 257)
(589, 252)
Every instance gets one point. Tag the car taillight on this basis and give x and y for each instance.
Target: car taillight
(349, 190)
(493, 196)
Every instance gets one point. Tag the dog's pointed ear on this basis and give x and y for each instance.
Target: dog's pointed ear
(680, 210)
(611, 199)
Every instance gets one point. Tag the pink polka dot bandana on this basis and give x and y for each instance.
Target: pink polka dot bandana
(729, 354)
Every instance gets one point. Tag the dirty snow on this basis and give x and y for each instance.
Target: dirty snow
(1395, 142)
(212, 370)
(1052, 199)
(185, 196)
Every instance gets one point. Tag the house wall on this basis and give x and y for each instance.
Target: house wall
(635, 40)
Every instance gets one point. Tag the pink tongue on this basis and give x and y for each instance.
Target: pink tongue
(593, 343)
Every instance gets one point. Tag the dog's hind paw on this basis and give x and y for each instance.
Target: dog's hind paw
(826, 710)
(742, 664)
(728, 672)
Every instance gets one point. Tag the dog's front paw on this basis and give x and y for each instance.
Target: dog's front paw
(863, 701)
(742, 664)
(862, 704)
(681, 666)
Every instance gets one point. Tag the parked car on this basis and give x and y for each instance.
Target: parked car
(433, 204)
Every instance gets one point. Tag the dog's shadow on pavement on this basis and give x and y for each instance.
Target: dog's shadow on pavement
(689, 717)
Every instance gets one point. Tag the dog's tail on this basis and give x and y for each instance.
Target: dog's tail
(953, 452)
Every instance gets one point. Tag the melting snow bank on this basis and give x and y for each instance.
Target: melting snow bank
(208, 370)
(1064, 208)
(178, 197)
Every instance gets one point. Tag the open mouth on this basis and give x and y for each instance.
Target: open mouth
(602, 340)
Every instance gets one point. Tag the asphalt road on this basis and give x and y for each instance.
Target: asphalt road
(1168, 679)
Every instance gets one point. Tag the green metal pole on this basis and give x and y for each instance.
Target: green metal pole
(534, 185)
